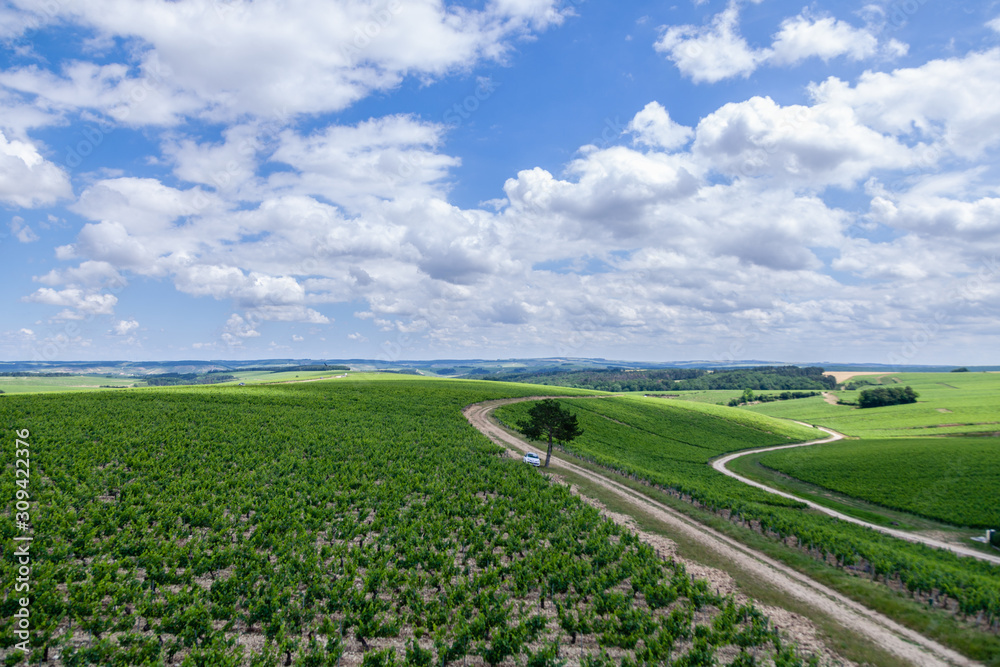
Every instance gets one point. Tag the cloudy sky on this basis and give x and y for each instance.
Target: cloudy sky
(405, 179)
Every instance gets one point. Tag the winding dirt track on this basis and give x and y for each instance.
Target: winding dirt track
(902, 642)
(720, 465)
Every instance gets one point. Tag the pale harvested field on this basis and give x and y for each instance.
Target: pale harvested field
(843, 376)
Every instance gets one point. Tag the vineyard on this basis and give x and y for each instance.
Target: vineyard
(664, 443)
(956, 480)
(355, 522)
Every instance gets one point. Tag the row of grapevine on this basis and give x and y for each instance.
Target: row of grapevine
(955, 480)
(356, 523)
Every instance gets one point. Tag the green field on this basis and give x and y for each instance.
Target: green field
(358, 521)
(949, 404)
(670, 442)
(32, 385)
(35, 385)
(930, 472)
(956, 480)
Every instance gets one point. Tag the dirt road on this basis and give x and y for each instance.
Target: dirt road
(830, 398)
(902, 642)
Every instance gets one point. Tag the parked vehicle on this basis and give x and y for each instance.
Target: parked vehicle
(532, 458)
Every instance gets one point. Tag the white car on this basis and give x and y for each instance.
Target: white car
(532, 458)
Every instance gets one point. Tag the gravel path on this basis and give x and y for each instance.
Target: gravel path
(902, 642)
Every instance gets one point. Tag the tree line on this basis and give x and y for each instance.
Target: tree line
(779, 378)
(882, 396)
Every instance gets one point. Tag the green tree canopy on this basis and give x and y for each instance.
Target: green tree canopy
(548, 419)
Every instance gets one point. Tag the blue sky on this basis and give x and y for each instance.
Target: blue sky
(422, 179)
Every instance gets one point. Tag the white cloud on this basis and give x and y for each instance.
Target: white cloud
(803, 37)
(654, 127)
(951, 104)
(142, 205)
(717, 51)
(79, 302)
(905, 259)
(228, 167)
(125, 327)
(26, 178)
(386, 158)
(713, 52)
(994, 24)
(21, 231)
(110, 89)
(272, 59)
(687, 235)
(237, 330)
(819, 145)
(89, 274)
(936, 216)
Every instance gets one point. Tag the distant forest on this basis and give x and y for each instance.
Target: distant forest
(676, 379)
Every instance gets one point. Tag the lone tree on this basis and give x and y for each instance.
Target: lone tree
(547, 418)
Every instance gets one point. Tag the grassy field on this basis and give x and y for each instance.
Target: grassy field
(949, 403)
(361, 521)
(265, 377)
(929, 472)
(35, 385)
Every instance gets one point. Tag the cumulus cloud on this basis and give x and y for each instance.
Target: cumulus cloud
(237, 330)
(713, 52)
(821, 145)
(932, 215)
(125, 327)
(717, 51)
(21, 231)
(826, 38)
(953, 103)
(89, 274)
(394, 157)
(686, 234)
(654, 127)
(79, 303)
(26, 178)
(223, 60)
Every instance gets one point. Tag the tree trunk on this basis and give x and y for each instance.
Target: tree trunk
(548, 452)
